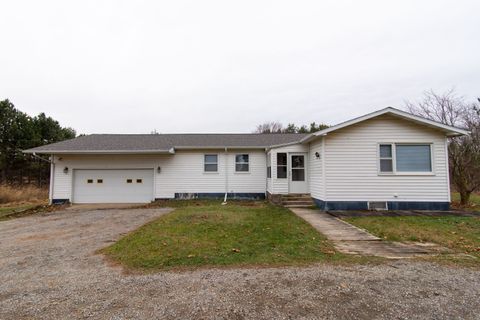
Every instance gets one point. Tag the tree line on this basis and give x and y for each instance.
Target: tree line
(277, 127)
(19, 131)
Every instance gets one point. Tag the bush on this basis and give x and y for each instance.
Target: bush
(27, 193)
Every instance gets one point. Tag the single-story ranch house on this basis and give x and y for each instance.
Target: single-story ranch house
(386, 159)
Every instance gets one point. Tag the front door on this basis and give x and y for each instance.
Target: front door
(298, 175)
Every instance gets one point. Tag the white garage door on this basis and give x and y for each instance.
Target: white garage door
(113, 186)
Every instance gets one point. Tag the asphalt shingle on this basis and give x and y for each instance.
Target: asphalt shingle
(164, 142)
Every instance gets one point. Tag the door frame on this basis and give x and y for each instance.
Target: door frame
(305, 169)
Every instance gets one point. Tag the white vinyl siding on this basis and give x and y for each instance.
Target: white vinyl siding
(351, 163)
(182, 172)
(316, 179)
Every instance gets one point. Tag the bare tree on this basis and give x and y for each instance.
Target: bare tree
(269, 127)
(464, 152)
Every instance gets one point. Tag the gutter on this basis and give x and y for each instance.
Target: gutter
(33, 151)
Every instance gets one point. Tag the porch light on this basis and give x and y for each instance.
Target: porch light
(159, 169)
(65, 170)
(317, 155)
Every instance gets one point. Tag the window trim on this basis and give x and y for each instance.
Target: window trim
(394, 160)
(282, 165)
(235, 163)
(205, 162)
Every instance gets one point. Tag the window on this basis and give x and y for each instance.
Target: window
(269, 165)
(241, 163)
(90, 181)
(139, 181)
(281, 165)
(129, 180)
(210, 163)
(99, 180)
(403, 157)
(413, 158)
(386, 158)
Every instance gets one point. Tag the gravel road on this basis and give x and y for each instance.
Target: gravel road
(49, 270)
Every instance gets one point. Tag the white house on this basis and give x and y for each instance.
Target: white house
(388, 158)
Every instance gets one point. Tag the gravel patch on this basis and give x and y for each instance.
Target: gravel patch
(49, 270)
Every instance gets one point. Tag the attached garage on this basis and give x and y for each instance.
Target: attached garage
(113, 186)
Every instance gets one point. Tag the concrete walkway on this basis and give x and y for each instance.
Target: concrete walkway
(349, 239)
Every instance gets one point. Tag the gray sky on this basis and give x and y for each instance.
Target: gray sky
(226, 66)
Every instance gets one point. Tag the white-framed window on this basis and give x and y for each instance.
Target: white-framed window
(210, 163)
(242, 163)
(281, 165)
(386, 158)
(405, 158)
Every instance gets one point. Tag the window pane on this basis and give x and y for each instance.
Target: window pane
(298, 175)
(281, 159)
(413, 158)
(241, 167)
(298, 161)
(210, 158)
(210, 167)
(241, 158)
(281, 172)
(385, 151)
(386, 165)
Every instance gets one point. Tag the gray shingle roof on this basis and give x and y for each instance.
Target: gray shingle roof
(165, 142)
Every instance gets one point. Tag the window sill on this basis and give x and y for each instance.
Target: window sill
(210, 172)
(242, 172)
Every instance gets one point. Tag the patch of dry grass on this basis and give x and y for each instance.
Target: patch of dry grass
(22, 194)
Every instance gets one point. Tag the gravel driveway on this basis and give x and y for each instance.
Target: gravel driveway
(49, 270)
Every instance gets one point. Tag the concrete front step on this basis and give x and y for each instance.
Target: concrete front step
(297, 199)
(297, 202)
(298, 205)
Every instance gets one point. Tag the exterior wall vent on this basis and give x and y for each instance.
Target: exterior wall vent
(377, 205)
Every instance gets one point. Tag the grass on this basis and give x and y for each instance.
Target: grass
(460, 234)
(474, 204)
(10, 210)
(204, 233)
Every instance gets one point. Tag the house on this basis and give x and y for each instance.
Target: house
(385, 159)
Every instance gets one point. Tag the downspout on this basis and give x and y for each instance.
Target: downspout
(52, 171)
(226, 177)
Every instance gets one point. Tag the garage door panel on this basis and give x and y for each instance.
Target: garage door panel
(113, 186)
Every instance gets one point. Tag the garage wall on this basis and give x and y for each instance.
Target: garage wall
(180, 173)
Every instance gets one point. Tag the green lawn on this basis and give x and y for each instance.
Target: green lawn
(201, 233)
(8, 211)
(461, 234)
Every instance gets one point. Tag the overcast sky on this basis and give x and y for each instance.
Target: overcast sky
(226, 66)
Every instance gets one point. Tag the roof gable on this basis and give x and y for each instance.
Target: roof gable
(449, 130)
